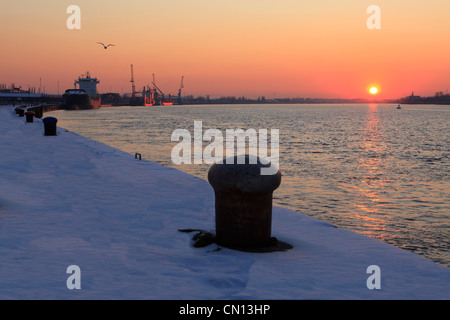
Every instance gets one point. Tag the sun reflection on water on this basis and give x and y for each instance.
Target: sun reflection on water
(369, 207)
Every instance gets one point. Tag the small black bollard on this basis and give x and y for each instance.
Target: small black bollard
(243, 203)
(29, 116)
(20, 111)
(50, 126)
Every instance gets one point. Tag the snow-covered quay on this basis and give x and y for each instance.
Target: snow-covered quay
(66, 200)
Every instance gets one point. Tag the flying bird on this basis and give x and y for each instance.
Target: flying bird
(106, 47)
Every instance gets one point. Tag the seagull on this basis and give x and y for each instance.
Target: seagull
(104, 45)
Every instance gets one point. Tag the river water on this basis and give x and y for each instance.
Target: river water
(370, 168)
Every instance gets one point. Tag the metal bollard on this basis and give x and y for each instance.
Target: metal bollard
(20, 111)
(50, 126)
(243, 203)
(29, 116)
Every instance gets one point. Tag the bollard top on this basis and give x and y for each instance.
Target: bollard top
(30, 113)
(243, 177)
(50, 120)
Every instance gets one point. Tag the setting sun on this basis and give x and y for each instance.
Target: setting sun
(373, 90)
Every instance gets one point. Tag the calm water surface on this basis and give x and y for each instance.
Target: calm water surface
(373, 169)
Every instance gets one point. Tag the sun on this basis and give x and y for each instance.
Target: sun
(373, 90)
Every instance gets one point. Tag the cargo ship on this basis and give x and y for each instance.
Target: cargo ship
(84, 97)
(149, 97)
(78, 99)
(156, 97)
(148, 101)
(167, 101)
(161, 102)
(153, 98)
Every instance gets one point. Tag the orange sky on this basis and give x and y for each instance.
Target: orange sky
(254, 48)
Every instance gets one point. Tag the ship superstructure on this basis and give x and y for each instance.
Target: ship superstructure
(88, 84)
(85, 96)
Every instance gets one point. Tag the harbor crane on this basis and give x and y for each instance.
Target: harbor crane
(179, 90)
(159, 90)
(156, 87)
(133, 88)
(160, 98)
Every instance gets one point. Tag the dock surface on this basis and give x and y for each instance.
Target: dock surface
(67, 200)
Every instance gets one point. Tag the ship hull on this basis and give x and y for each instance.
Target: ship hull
(152, 98)
(149, 102)
(165, 102)
(77, 101)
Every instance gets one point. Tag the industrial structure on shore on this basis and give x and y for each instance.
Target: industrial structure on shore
(87, 97)
(84, 95)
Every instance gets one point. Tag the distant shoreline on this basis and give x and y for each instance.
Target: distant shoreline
(23, 97)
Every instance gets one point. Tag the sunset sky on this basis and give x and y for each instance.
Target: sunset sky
(250, 48)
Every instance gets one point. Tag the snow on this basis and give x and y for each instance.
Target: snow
(68, 200)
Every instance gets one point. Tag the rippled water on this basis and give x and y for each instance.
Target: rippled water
(373, 169)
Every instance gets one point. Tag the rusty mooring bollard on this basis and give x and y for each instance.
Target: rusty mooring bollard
(20, 111)
(29, 116)
(243, 203)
